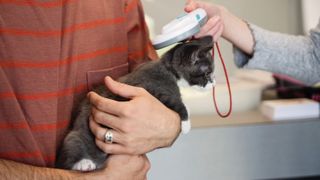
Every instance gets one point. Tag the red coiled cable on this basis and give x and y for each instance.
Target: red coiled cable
(228, 84)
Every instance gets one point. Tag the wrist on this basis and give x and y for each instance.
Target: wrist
(225, 16)
(236, 31)
(98, 174)
(175, 125)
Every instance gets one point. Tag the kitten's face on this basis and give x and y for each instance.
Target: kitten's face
(195, 64)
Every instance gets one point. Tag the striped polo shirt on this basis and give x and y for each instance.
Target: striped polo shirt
(52, 52)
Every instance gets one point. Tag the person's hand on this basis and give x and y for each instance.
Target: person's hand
(123, 167)
(225, 24)
(139, 125)
(214, 26)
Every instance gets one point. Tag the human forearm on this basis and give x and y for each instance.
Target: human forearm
(237, 31)
(295, 56)
(13, 170)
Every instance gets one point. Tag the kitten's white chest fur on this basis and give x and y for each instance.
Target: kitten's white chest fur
(186, 125)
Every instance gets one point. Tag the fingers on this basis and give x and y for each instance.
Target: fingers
(121, 89)
(211, 27)
(218, 33)
(99, 132)
(105, 119)
(213, 12)
(215, 32)
(112, 148)
(105, 104)
(190, 6)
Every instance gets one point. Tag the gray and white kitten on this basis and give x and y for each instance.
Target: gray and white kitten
(189, 60)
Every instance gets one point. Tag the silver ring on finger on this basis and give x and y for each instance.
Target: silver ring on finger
(108, 137)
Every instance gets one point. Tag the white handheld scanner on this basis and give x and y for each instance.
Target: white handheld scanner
(181, 28)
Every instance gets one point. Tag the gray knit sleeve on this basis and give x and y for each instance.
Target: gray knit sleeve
(296, 56)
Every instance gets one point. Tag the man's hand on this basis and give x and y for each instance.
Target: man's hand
(139, 125)
(123, 167)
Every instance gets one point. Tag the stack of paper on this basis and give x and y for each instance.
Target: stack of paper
(287, 109)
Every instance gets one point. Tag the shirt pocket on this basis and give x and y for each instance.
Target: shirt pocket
(96, 77)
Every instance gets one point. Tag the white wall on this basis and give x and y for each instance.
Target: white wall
(310, 14)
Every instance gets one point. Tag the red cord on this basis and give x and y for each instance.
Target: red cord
(228, 84)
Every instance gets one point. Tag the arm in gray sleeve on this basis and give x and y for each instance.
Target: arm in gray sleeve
(296, 56)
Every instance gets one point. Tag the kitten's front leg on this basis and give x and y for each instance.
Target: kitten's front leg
(181, 109)
(186, 124)
(185, 121)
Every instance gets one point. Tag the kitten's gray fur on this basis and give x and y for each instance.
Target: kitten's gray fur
(189, 60)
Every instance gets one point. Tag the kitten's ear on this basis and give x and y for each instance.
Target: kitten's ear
(191, 48)
(197, 47)
(170, 54)
(190, 51)
(183, 49)
(203, 44)
(206, 43)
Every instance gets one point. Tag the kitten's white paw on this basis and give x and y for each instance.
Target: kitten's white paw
(84, 165)
(185, 126)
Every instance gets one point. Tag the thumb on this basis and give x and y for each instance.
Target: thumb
(121, 89)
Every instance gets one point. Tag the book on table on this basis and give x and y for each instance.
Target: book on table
(290, 109)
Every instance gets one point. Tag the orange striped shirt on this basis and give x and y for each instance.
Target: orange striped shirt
(51, 54)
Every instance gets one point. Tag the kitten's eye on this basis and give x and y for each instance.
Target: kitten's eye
(208, 73)
(202, 55)
(208, 49)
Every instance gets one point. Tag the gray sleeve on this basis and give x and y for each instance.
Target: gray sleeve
(295, 56)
